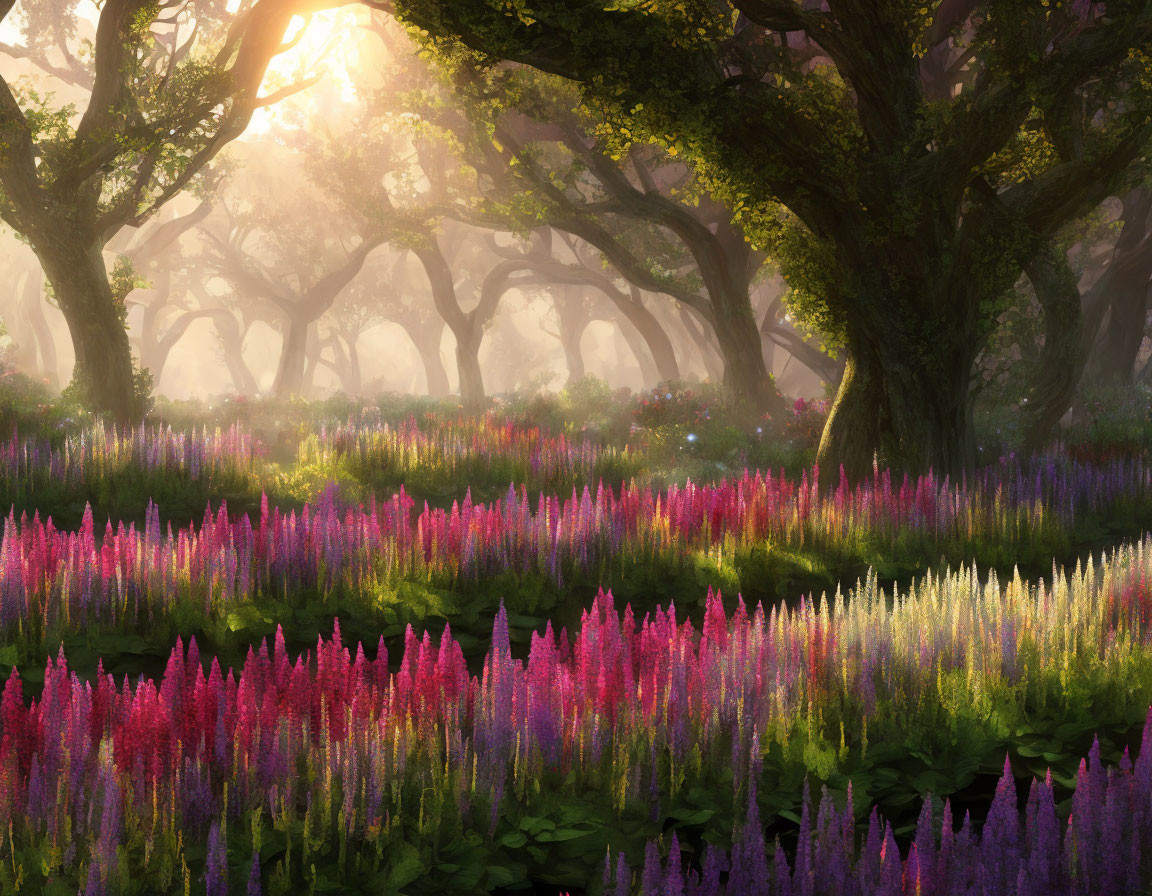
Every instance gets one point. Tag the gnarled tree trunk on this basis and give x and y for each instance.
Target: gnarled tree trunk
(649, 372)
(427, 342)
(1123, 334)
(709, 353)
(654, 335)
(1128, 283)
(73, 262)
(898, 404)
(573, 356)
(463, 326)
(293, 359)
(472, 394)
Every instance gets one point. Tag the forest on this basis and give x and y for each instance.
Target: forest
(576, 447)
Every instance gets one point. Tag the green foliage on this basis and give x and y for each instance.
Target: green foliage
(28, 407)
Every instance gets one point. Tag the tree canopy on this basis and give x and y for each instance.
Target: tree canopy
(906, 162)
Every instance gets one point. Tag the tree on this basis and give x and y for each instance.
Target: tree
(387, 286)
(231, 322)
(170, 85)
(539, 162)
(1117, 303)
(863, 144)
(548, 268)
(402, 185)
(284, 253)
(156, 257)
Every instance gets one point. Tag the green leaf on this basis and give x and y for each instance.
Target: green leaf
(561, 834)
(408, 868)
(513, 840)
(533, 825)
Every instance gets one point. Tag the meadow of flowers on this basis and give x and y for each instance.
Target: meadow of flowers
(546, 688)
(441, 779)
(52, 580)
(445, 456)
(114, 469)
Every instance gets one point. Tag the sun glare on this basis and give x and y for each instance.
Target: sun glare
(326, 44)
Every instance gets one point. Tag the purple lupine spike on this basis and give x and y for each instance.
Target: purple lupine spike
(36, 793)
(1098, 784)
(254, 879)
(832, 864)
(623, 876)
(95, 883)
(753, 854)
(891, 878)
(925, 848)
(1142, 773)
(674, 873)
(715, 864)
(964, 864)
(868, 867)
(1000, 845)
(1041, 841)
(803, 877)
(216, 868)
(943, 870)
(914, 871)
(651, 878)
(782, 874)
(848, 824)
(1081, 836)
(1136, 877)
(1115, 828)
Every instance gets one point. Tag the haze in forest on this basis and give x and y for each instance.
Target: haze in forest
(221, 271)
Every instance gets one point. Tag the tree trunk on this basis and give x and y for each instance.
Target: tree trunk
(232, 344)
(900, 408)
(572, 312)
(709, 353)
(22, 354)
(649, 372)
(1062, 358)
(654, 335)
(293, 359)
(74, 264)
(472, 394)
(1124, 334)
(354, 378)
(573, 357)
(45, 341)
(427, 342)
(312, 350)
(1128, 285)
(468, 333)
(745, 374)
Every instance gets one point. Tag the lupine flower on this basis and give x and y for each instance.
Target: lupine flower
(130, 577)
(254, 885)
(109, 757)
